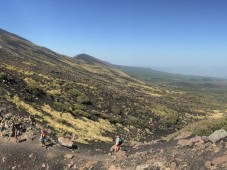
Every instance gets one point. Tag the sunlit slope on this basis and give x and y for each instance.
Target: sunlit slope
(87, 97)
(198, 99)
(34, 77)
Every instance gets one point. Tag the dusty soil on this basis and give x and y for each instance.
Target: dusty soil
(29, 155)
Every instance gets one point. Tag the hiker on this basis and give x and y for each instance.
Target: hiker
(43, 137)
(10, 125)
(16, 133)
(32, 120)
(118, 143)
(1, 128)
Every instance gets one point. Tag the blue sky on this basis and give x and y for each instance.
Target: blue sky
(126, 32)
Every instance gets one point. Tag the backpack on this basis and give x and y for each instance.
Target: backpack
(120, 141)
(44, 134)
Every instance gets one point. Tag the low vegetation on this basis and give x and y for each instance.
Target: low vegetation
(90, 98)
(2, 75)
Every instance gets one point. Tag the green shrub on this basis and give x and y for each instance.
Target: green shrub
(206, 127)
(132, 118)
(78, 106)
(33, 87)
(167, 117)
(116, 120)
(116, 97)
(105, 116)
(57, 104)
(74, 92)
(2, 75)
(83, 99)
(96, 113)
(63, 106)
(37, 91)
(141, 112)
(82, 113)
(116, 110)
(202, 127)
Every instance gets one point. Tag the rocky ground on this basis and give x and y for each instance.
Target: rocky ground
(184, 152)
(37, 81)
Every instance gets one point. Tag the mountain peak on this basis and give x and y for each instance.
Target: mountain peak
(89, 59)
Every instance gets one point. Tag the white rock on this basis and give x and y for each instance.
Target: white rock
(68, 156)
(217, 135)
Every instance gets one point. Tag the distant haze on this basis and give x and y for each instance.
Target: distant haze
(219, 72)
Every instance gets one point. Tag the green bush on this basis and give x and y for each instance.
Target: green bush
(132, 118)
(82, 113)
(33, 87)
(83, 99)
(63, 106)
(206, 127)
(202, 127)
(167, 117)
(105, 116)
(140, 112)
(96, 113)
(116, 120)
(57, 104)
(116, 110)
(2, 75)
(116, 97)
(37, 91)
(74, 92)
(78, 106)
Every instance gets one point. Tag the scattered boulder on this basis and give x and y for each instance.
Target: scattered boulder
(68, 156)
(14, 167)
(196, 139)
(184, 142)
(205, 138)
(66, 142)
(217, 135)
(183, 135)
(219, 160)
(208, 164)
(38, 126)
(173, 166)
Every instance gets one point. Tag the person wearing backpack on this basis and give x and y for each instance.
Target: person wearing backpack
(118, 143)
(2, 126)
(16, 133)
(43, 137)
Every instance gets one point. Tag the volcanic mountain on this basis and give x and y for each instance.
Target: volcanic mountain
(82, 95)
(88, 100)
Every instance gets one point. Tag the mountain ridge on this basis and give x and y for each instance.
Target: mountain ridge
(77, 97)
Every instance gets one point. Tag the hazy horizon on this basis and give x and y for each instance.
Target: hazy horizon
(131, 32)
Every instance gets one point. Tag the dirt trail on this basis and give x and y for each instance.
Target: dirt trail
(27, 154)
